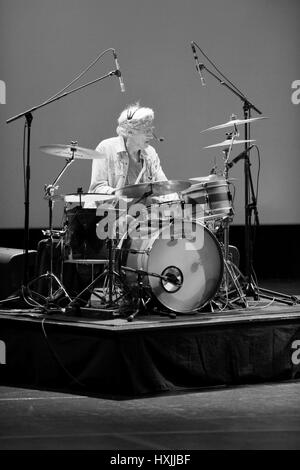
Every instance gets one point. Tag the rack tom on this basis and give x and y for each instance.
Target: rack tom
(213, 198)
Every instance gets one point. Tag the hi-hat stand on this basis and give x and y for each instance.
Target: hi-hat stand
(250, 286)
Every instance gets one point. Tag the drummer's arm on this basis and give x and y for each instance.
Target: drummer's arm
(157, 172)
(99, 178)
(159, 175)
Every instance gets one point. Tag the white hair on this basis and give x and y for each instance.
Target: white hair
(134, 118)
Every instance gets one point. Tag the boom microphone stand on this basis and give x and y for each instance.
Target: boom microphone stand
(28, 114)
(250, 287)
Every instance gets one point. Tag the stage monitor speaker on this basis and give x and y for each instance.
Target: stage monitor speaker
(12, 269)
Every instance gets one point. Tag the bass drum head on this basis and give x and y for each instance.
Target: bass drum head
(196, 262)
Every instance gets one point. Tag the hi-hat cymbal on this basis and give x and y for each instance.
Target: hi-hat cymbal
(236, 122)
(66, 151)
(228, 142)
(157, 188)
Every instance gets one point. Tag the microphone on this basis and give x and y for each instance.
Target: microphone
(198, 66)
(118, 72)
(239, 157)
(159, 139)
(213, 171)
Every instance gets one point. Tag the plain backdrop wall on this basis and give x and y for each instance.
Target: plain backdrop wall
(44, 44)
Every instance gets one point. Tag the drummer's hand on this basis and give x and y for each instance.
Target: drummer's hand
(155, 199)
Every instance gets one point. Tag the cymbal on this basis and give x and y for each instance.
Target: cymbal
(66, 152)
(228, 142)
(157, 188)
(88, 197)
(205, 179)
(211, 178)
(236, 122)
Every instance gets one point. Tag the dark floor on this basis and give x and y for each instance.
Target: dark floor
(250, 417)
(287, 286)
(262, 416)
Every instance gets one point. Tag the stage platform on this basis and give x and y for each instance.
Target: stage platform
(97, 352)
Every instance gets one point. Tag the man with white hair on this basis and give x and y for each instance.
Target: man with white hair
(129, 159)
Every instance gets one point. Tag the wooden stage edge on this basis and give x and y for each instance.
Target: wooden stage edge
(101, 319)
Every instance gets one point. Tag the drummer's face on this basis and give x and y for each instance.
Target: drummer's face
(142, 139)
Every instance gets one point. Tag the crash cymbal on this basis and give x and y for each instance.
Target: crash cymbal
(157, 188)
(88, 197)
(228, 142)
(66, 151)
(233, 122)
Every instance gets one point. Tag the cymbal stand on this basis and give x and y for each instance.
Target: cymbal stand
(50, 196)
(250, 287)
(226, 221)
(231, 272)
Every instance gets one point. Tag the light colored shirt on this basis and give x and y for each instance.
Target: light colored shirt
(134, 170)
(110, 172)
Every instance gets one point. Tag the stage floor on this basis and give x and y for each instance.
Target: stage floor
(104, 353)
(96, 317)
(223, 380)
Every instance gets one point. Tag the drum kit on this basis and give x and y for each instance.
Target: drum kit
(186, 264)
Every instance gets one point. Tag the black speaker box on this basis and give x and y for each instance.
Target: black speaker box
(12, 269)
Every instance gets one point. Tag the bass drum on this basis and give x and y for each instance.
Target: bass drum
(191, 265)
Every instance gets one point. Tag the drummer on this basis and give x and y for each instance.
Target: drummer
(129, 157)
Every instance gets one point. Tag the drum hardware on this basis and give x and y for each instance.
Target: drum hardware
(49, 195)
(70, 153)
(175, 272)
(247, 286)
(231, 286)
(141, 303)
(248, 106)
(109, 273)
(86, 198)
(28, 115)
